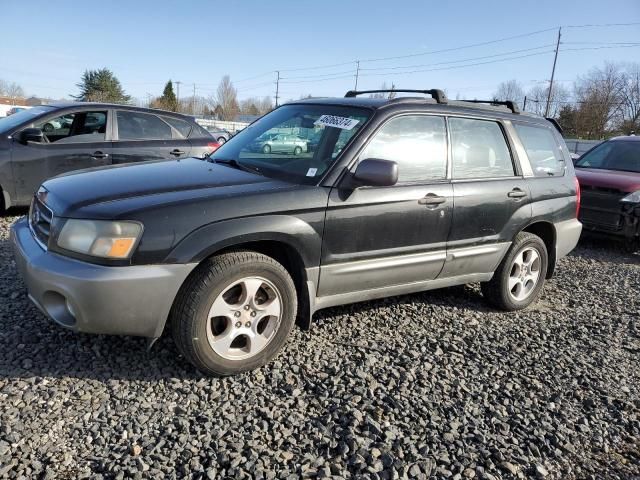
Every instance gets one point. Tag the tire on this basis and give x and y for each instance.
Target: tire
(47, 127)
(297, 150)
(511, 288)
(266, 149)
(222, 140)
(222, 344)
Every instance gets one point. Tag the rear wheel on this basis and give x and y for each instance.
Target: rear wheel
(266, 149)
(234, 313)
(221, 140)
(47, 127)
(297, 150)
(519, 279)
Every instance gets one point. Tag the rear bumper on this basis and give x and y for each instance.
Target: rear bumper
(133, 300)
(567, 236)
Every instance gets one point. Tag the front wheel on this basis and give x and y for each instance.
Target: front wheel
(234, 313)
(519, 279)
(297, 151)
(221, 140)
(47, 127)
(266, 149)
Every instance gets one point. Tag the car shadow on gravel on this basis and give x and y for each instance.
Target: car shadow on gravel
(14, 212)
(599, 248)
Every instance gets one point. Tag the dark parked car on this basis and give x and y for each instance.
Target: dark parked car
(609, 175)
(229, 252)
(44, 141)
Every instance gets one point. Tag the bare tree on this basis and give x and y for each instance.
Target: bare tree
(510, 90)
(537, 99)
(227, 98)
(630, 98)
(265, 105)
(3, 87)
(600, 99)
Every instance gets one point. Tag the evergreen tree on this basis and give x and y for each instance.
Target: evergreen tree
(101, 86)
(168, 100)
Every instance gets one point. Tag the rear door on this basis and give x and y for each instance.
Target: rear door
(141, 136)
(492, 199)
(74, 140)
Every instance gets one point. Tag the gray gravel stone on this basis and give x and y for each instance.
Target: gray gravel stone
(428, 385)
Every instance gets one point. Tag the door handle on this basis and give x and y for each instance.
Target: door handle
(432, 200)
(517, 193)
(177, 152)
(99, 154)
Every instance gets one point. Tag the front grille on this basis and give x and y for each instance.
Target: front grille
(40, 218)
(601, 208)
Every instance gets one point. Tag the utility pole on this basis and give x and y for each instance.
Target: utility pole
(357, 73)
(178, 94)
(277, 86)
(553, 72)
(193, 100)
(524, 105)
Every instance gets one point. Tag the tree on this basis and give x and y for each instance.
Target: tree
(537, 99)
(101, 86)
(227, 98)
(630, 99)
(168, 100)
(510, 90)
(265, 106)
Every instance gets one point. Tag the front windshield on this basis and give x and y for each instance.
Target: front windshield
(616, 155)
(297, 143)
(12, 121)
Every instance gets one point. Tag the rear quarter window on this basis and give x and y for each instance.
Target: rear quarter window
(181, 126)
(542, 149)
(199, 132)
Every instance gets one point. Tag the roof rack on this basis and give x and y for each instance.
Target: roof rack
(511, 105)
(438, 95)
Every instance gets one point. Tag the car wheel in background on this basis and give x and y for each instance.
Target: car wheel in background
(297, 150)
(221, 140)
(234, 313)
(47, 127)
(519, 279)
(266, 149)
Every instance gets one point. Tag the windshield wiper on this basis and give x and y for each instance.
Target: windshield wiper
(232, 162)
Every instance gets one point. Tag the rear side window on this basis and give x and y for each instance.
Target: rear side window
(417, 143)
(181, 126)
(141, 126)
(197, 132)
(542, 149)
(479, 149)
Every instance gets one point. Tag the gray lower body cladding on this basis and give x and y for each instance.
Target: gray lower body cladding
(131, 300)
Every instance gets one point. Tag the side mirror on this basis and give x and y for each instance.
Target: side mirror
(31, 135)
(372, 172)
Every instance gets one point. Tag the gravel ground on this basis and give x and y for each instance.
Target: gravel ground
(419, 386)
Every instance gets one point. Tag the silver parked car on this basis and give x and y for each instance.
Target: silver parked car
(220, 134)
(284, 143)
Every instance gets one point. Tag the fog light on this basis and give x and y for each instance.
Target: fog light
(70, 308)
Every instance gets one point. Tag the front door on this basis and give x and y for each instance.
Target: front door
(73, 141)
(382, 236)
(145, 136)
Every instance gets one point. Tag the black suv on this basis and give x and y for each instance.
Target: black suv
(45, 141)
(398, 196)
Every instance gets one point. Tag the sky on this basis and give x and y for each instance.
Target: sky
(314, 45)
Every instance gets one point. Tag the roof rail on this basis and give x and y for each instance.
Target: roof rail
(438, 95)
(510, 104)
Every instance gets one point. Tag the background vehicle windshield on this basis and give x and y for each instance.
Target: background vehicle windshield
(618, 155)
(297, 143)
(16, 119)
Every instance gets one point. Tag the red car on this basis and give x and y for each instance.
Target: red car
(609, 176)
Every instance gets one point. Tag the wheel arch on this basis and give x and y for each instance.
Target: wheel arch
(547, 232)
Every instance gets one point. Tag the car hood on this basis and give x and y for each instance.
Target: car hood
(597, 177)
(103, 192)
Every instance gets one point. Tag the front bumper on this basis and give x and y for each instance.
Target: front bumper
(131, 300)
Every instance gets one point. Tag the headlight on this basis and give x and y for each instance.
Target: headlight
(632, 197)
(100, 238)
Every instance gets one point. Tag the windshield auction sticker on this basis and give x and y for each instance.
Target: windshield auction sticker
(338, 122)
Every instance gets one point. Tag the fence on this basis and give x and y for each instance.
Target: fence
(232, 127)
(580, 146)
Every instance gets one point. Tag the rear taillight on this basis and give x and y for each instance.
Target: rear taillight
(577, 196)
(213, 146)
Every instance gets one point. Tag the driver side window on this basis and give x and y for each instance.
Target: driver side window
(75, 127)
